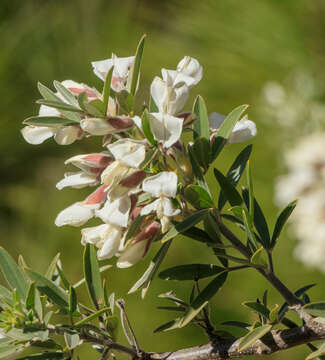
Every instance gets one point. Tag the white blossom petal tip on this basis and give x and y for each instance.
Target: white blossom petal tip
(36, 135)
(165, 128)
(75, 215)
(162, 184)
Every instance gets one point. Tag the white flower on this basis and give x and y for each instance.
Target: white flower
(111, 125)
(188, 71)
(128, 154)
(77, 180)
(243, 130)
(116, 212)
(75, 215)
(165, 128)
(80, 212)
(121, 70)
(168, 99)
(107, 238)
(163, 186)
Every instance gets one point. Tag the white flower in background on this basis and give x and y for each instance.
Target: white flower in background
(121, 72)
(244, 129)
(162, 186)
(128, 155)
(188, 71)
(80, 212)
(106, 237)
(306, 181)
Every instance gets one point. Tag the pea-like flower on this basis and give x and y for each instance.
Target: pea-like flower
(162, 186)
(244, 129)
(121, 72)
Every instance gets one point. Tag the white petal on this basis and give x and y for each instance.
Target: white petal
(48, 111)
(138, 122)
(175, 78)
(67, 135)
(177, 99)
(116, 212)
(162, 184)
(129, 152)
(97, 127)
(77, 180)
(166, 128)
(35, 135)
(111, 243)
(75, 215)
(215, 120)
(191, 67)
(94, 234)
(158, 91)
(122, 65)
(244, 130)
(168, 207)
(132, 254)
(152, 207)
(114, 173)
(102, 67)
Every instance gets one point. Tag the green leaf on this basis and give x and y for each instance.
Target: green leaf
(66, 93)
(250, 190)
(49, 95)
(225, 130)
(146, 279)
(92, 275)
(235, 172)
(63, 279)
(48, 288)
(320, 351)
(190, 272)
(221, 253)
(238, 324)
(281, 220)
(255, 334)
(201, 126)
(83, 281)
(198, 196)
(43, 356)
(196, 168)
(93, 316)
(7, 350)
(58, 105)
(49, 121)
(4, 292)
(171, 297)
(137, 64)
(107, 89)
(315, 308)
(201, 150)
(261, 225)
(180, 227)
(30, 298)
(250, 234)
(170, 325)
(145, 122)
(72, 340)
(94, 107)
(257, 307)
(203, 298)
(52, 267)
(274, 314)
(13, 274)
(153, 108)
(198, 235)
(259, 257)
(230, 192)
(73, 302)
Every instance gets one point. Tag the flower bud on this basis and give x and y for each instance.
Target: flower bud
(97, 197)
(97, 126)
(134, 179)
(120, 122)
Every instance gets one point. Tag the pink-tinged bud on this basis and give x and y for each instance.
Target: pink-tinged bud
(149, 231)
(134, 179)
(97, 197)
(121, 122)
(97, 160)
(212, 137)
(107, 140)
(90, 93)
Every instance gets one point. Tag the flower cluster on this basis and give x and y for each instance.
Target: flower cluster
(306, 181)
(140, 176)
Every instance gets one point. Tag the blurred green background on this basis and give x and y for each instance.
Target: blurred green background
(241, 45)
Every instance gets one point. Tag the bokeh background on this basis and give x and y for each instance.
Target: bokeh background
(242, 45)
